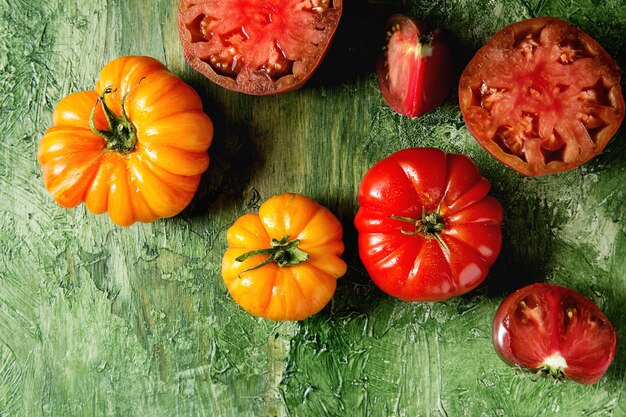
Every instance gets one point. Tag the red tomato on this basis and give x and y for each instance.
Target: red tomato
(257, 47)
(542, 96)
(554, 329)
(427, 228)
(415, 71)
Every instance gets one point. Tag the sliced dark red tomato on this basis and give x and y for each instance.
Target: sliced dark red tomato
(415, 71)
(257, 47)
(542, 96)
(556, 330)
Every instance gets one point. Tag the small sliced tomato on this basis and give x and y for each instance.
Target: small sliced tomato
(257, 47)
(556, 330)
(542, 96)
(415, 71)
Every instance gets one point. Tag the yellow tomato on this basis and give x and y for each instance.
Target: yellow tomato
(135, 147)
(283, 263)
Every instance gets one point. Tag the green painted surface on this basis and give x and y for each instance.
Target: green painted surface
(103, 321)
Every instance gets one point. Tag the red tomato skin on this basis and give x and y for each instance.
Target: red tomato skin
(415, 267)
(414, 80)
(529, 350)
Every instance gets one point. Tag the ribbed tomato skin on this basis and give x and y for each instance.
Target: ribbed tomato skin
(159, 176)
(292, 292)
(414, 267)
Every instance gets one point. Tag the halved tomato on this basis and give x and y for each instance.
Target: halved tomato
(257, 47)
(415, 71)
(556, 330)
(542, 96)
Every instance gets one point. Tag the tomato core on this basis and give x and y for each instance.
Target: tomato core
(122, 135)
(554, 365)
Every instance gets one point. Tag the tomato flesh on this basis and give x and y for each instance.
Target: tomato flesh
(415, 71)
(544, 326)
(257, 46)
(542, 96)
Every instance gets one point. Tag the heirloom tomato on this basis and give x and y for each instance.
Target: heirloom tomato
(257, 47)
(135, 146)
(283, 263)
(415, 70)
(555, 330)
(428, 230)
(542, 96)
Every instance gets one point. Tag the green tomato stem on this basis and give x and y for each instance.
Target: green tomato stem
(121, 135)
(283, 252)
(554, 372)
(430, 225)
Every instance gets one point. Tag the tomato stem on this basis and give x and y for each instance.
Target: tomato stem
(122, 135)
(283, 252)
(425, 39)
(555, 372)
(430, 225)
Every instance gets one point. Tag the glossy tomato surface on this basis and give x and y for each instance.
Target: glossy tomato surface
(415, 70)
(555, 329)
(257, 47)
(542, 96)
(134, 147)
(428, 230)
(283, 263)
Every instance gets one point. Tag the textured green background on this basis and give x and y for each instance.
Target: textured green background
(99, 320)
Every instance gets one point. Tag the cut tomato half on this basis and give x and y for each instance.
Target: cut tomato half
(257, 47)
(542, 96)
(556, 330)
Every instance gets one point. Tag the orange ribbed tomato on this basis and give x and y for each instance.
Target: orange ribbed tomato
(283, 263)
(135, 147)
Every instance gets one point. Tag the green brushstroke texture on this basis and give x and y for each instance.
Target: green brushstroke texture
(97, 320)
